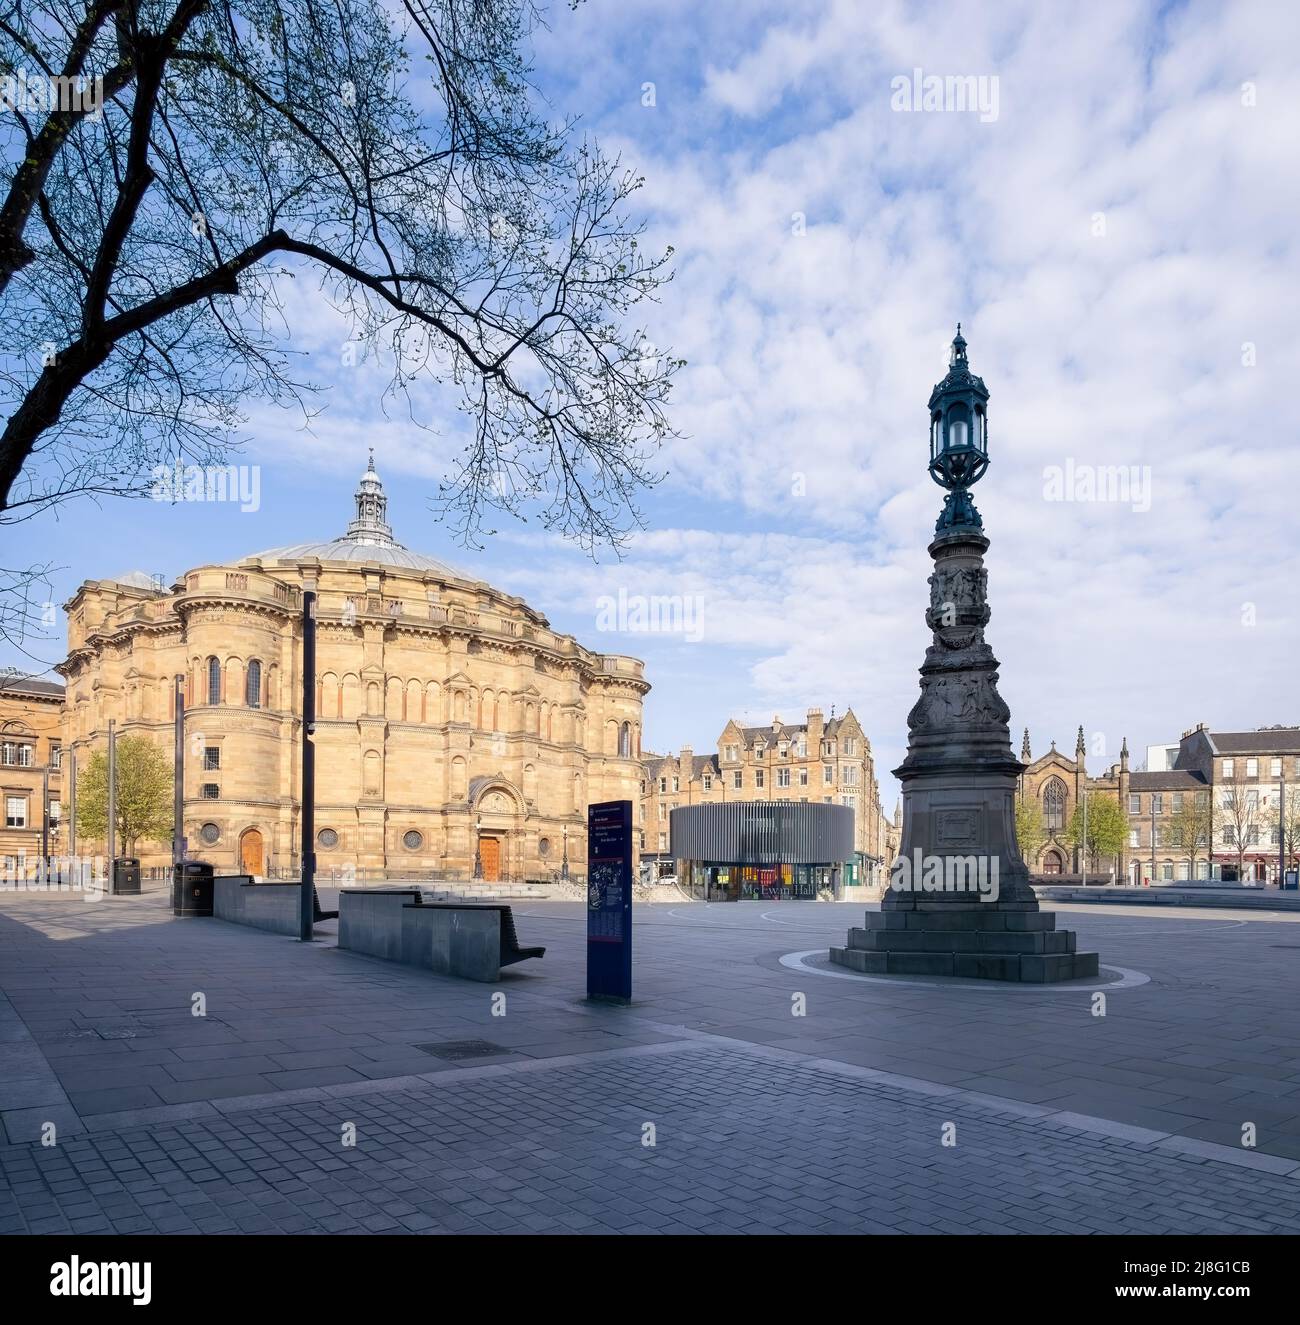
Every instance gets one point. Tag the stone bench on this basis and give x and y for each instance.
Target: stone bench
(270, 906)
(370, 920)
(469, 940)
(275, 907)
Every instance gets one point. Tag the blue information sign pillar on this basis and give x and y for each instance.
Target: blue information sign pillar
(609, 901)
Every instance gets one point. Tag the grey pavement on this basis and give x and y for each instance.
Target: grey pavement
(831, 1121)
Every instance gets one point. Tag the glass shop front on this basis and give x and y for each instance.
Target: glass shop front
(707, 881)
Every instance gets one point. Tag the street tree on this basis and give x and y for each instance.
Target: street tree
(1283, 824)
(1240, 814)
(1107, 828)
(1031, 830)
(144, 794)
(1192, 825)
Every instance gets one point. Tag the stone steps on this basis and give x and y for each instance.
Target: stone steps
(978, 942)
(987, 940)
(956, 917)
(1025, 968)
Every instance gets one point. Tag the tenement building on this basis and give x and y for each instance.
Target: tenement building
(452, 721)
(821, 761)
(31, 772)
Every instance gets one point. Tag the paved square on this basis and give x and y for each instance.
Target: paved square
(761, 1120)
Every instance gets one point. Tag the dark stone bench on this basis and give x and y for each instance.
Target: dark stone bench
(511, 952)
(471, 940)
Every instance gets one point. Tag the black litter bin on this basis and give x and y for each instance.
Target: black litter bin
(192, 889)
(126, 875)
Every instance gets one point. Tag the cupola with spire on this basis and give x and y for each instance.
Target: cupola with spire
(370, 524)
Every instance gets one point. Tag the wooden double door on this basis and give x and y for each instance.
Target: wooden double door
(489, 850)
(252, 856)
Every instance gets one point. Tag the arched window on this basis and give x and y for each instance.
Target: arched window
(1054, 805)
(214, 681)
(253, 684)
(625, 741)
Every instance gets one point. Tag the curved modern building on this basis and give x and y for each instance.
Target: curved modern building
(762, 850)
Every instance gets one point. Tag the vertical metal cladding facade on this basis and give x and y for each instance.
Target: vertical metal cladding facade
(762, 833)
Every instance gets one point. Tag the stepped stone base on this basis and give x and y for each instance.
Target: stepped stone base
(981, 942)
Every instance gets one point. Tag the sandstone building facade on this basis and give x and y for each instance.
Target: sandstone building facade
(31, 772)
(452, 721)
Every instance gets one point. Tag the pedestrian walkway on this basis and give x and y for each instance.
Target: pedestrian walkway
(325, 1091)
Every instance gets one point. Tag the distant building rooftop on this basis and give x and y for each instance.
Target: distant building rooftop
(1272, 740)
(17, 683)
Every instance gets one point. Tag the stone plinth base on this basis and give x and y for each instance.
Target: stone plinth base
(982, 942)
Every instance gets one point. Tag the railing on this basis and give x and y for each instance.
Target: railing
(359, 878)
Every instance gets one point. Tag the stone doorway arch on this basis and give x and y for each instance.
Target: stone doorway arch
(1052, 862)
(252, 852)
(499, 812)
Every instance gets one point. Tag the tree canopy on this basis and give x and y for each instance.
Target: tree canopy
(174, 165)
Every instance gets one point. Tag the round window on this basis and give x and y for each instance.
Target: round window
(413, 841)
(210, 833)
(544, 847)
(327, 838)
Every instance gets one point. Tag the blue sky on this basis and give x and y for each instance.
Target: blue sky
(1111, 242)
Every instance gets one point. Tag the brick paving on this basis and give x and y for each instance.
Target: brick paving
(742, 1144)
(830, 1122)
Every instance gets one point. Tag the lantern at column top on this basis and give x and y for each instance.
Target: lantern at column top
(959, 452)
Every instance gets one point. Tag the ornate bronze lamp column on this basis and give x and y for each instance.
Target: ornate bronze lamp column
(959, 900)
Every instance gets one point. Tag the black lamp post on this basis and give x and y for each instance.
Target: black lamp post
(564, 864)
(478, 849)
(959, 777)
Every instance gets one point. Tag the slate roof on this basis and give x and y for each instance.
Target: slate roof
(1273, 740)
(31, 685)
(1180, 779)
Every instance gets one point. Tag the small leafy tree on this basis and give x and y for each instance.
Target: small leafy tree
(1107, 829)
(144, 794)
(1192, 825)
(1240, 814)
(1031, 831)
(1286, 824)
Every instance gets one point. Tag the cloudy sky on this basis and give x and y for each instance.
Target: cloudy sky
(1117, 235)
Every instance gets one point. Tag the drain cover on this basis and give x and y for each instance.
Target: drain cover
(457, 1049)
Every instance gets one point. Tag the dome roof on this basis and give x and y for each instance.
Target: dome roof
(348, 549)
(368, 540)
(136, 579)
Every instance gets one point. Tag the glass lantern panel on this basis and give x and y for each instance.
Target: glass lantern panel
(956, 433)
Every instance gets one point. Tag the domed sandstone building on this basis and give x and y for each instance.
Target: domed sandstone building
(451, 719)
